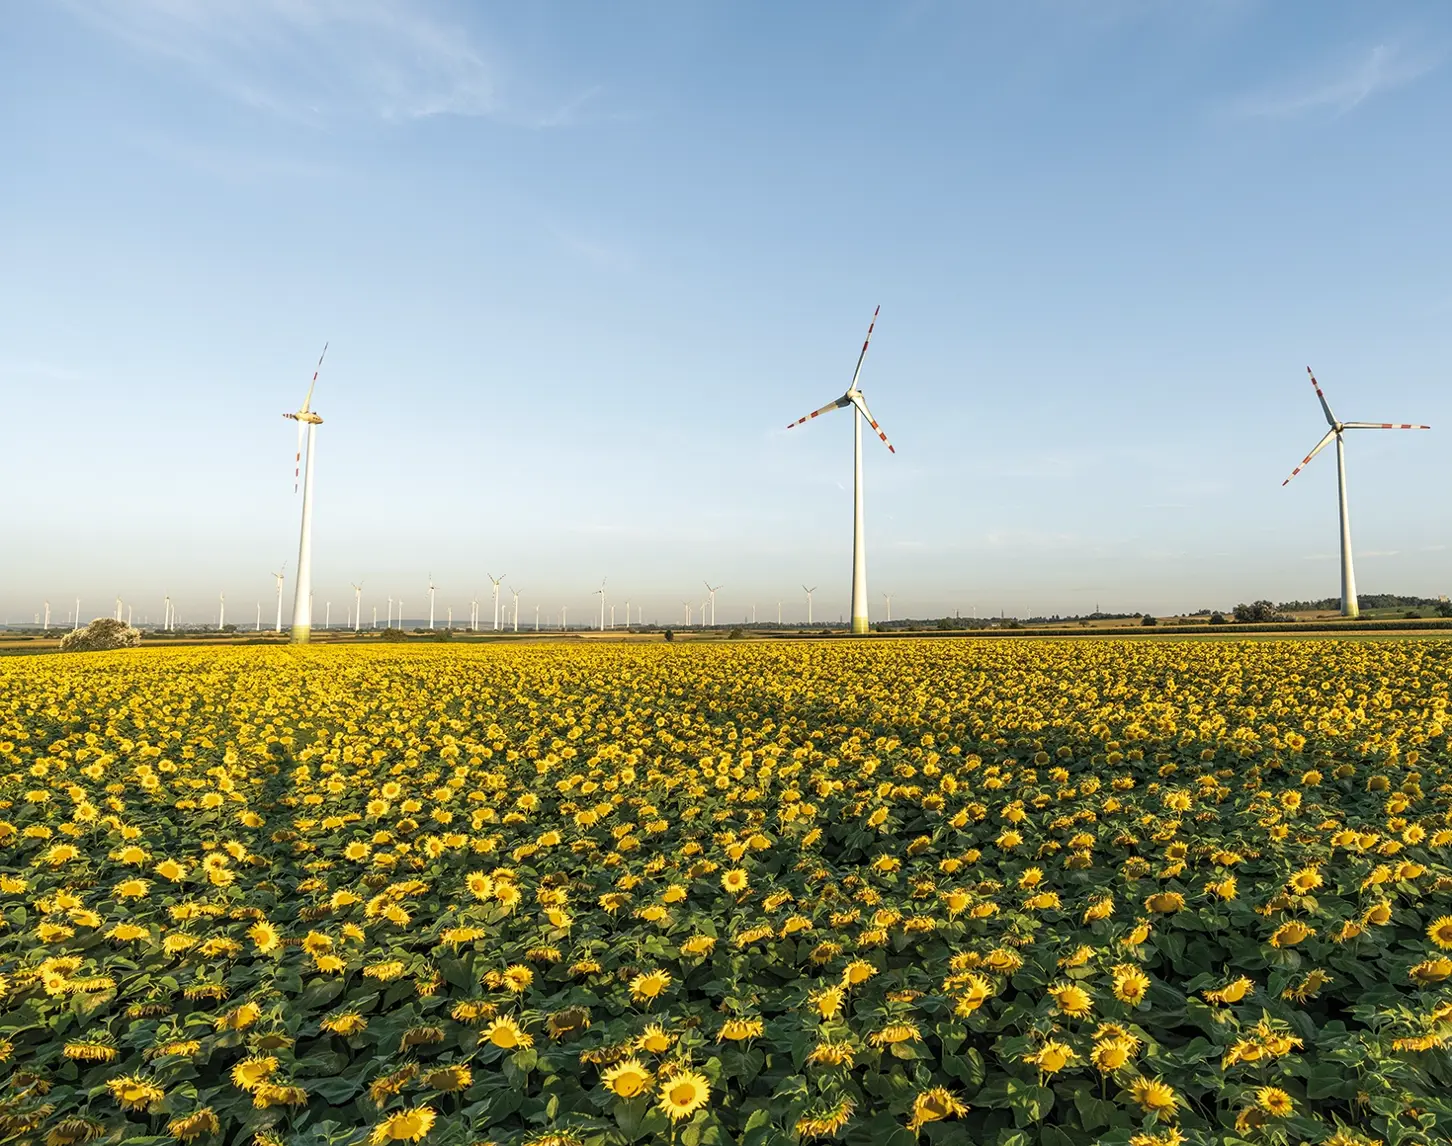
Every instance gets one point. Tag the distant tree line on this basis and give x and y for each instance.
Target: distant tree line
(1366, 600)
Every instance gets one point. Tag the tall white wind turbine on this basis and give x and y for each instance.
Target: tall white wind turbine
(495, 581)
(853, 397)
(1349, 606)
(357, 604)
(47, 616)
(711, 591)
(809, 593)
(221, 611)
(307, 424)
(516, 593)
(687, 604)
(432, 586)
(279, 576)
(888, 598)
(601, 591)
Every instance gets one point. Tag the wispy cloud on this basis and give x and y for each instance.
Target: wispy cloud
(1340, 89)
(316, 61)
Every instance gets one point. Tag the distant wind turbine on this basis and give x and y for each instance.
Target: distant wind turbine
(307, 424)
(687, 604)
(1349, 606)
(809, 593)
(496, 581)
(601, 591)
(711, 590)
(357, 605)
(431, 600)
(888, 598)
(221, 611)
(279, 577)
(516, 593)
(853, 397)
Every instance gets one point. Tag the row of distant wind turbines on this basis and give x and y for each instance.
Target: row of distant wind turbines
(308, 421)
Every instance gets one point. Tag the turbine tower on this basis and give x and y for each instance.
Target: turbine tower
(687, 604)
(47, 616)
(601, 591)
(711, 590)
(853, 397)
(888, 598)
(221, 611)
(516, 593)
(1349, 607)
(357, 604)
(431, 601)
(279, 576)
(809, 593)
(307, 425)
(496, 581)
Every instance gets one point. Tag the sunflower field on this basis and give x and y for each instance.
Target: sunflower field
(1025, 893)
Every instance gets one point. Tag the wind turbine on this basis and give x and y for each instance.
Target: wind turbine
(78, 613)
(601, 591)
(809, 592)
(1349, 607)
(307, 425)
(221, 611)
(474, 612)
(853, 397)
(357, 604)
(564, 616)
(536, 618)
(258, 629)
(712, 591)
(390, 612)
(431, 601)
(279, 577)
(627, 614)
(687, 604)
(496, 581)
(888, 598)
(516, 593)
(47, 616)
(118, 607)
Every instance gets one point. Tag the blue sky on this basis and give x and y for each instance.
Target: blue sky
(580, 264)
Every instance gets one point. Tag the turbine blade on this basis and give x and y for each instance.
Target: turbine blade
(827, 409)
(1382, 426)
(863, 355)
(1319, 447)
(297, 459)
(308, 401)
(1325, 406)
(861, 404)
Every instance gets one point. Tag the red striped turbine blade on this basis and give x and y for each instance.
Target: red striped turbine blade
(1384, 426)
(861, 404)
(1306, 460)
(837, 405)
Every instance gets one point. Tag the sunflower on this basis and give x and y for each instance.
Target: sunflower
(649, 986)
(253, 1071)
(857, 972)
(1111, 1054)
(824, 1122)
(348, 1023)
(627, 1079)
(683, 1094)
(450, 1078)
(1072, 1000)
(1439, 931)
(1130, 984)
(1052, 1057)
(132, 1092)
(734, 880)
(194, 1125)
(740, 1030)
(933, 1106)
(1232, 992)
(405, 1126)
(655, 1039)
(1274, 1101)
(506, 1034)
(1154, 1097)
(698, 945)
(1290, 933)
(264, 936)
(570, 1021)
(895, 1033)
(517, 978)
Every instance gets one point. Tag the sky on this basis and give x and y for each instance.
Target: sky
(579, 265)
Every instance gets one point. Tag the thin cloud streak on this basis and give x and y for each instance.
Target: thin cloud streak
(1383, 68)
(315, 62)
